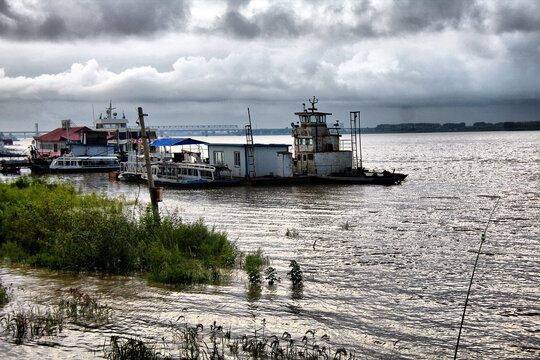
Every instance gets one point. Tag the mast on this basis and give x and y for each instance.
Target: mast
(356, 140)
(250, 148)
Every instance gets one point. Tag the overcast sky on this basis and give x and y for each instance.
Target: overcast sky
(188, 62)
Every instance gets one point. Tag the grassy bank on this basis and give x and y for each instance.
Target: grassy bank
(57, 227)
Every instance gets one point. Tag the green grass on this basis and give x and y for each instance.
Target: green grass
(57, 227)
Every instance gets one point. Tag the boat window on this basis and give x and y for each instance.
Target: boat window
(219, 158)
(313, 119)
(304, 118)
(322, 118)
(206, 174)
(310, 156)
(237, 158)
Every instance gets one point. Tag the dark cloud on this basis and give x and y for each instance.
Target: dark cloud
(511, 18)
(274, 22)
(56, 20)
(413, 16)
(237, 25)
(279, 22)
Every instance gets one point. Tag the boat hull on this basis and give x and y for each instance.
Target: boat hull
(385, 178)
(197, 184)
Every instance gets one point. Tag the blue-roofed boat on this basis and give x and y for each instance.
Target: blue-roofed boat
(183, 169)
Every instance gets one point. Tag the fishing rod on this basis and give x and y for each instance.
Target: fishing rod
(472, 275)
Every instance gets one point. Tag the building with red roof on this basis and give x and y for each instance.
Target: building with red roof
(56, 141)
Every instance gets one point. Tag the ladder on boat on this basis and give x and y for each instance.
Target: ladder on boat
(356, 145)
(250, 148)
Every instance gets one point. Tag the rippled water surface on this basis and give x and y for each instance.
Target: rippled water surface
(386, 268)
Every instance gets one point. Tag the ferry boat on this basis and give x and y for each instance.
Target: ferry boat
(186, 174)
(318, 153)
(85, 164)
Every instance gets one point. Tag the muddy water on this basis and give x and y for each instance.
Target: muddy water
(386, 269)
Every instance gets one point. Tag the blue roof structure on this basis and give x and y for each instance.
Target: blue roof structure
(176, 142)
(254, 145)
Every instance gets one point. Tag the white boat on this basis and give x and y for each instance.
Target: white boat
(186, 174)
(85, 164)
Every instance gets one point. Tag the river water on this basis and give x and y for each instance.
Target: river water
(386, 269)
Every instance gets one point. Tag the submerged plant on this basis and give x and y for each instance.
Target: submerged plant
(253, 266)
(32, 324)
(295, 274)
(270, 275)
(215, 342)
(82, 308)
(131, 349)
(291, 233)
(6, 293)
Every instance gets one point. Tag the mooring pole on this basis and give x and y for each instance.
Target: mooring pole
(151, 187)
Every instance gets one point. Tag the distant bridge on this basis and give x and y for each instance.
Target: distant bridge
(164, 130)
(169, 130)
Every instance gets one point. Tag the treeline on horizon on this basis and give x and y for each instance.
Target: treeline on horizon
(423, 127)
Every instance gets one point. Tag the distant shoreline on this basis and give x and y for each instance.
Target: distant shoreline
(425, 128)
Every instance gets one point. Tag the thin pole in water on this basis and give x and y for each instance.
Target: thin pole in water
(472, 276)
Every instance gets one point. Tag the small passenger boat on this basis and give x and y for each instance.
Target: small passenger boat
(85, 164)
(186, 174)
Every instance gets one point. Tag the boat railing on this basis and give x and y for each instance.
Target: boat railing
(133, 167)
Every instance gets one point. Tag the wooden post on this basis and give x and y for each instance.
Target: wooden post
(151, 187)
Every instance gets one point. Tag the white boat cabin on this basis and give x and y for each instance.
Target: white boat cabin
(269, 159)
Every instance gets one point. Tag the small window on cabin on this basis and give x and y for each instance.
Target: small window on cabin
(313, 119)
(303, 118)
(322, 119)
(237, 158)
(310, 156)
(219, 158)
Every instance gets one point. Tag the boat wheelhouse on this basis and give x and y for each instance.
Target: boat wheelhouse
(317, 146)
(317, 152)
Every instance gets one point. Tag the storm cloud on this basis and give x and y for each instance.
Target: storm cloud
(205, 56)
(67, 20)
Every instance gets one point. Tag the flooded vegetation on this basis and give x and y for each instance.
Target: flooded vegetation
(52, 225)
(384, 270)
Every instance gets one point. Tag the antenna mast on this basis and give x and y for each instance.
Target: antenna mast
(250, 148)
(356, 140)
